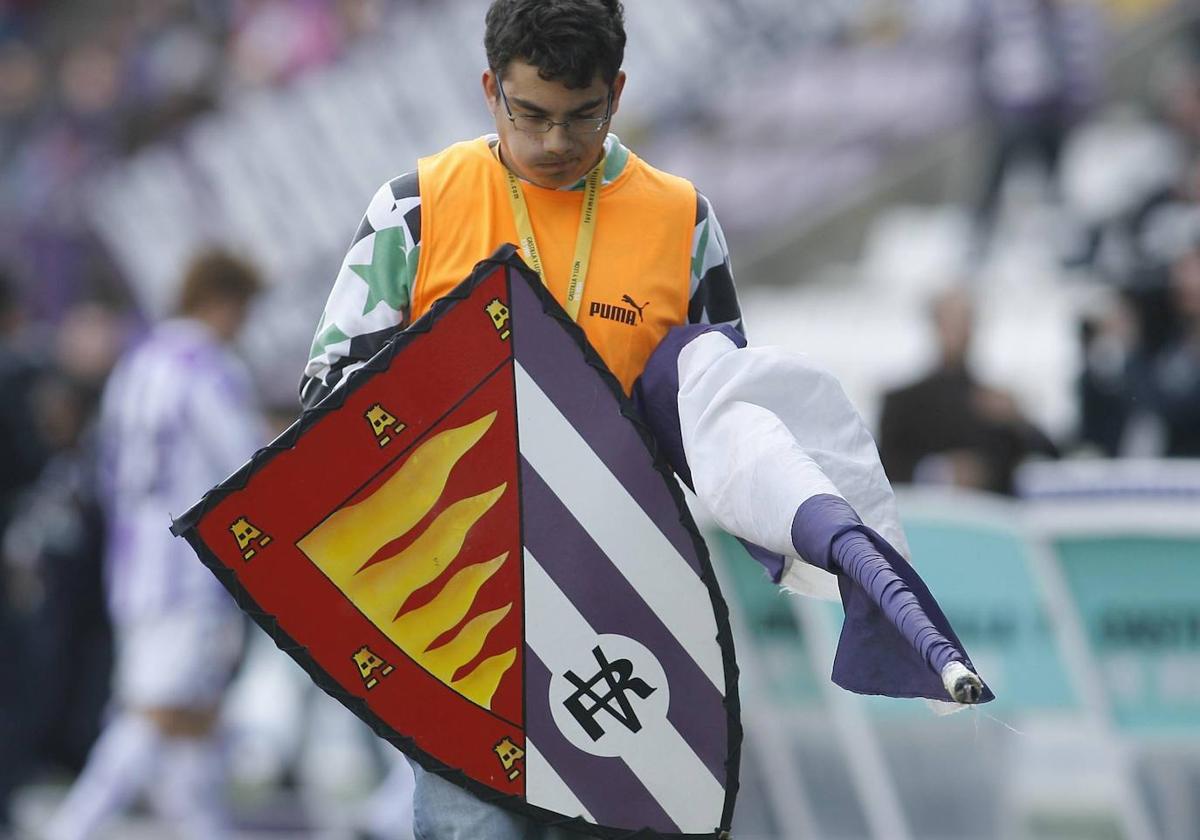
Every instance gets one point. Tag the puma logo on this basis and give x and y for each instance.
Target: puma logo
(619, 313)
(612, 312)
(640, 312)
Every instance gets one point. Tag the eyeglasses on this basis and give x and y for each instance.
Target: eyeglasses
(582, 126)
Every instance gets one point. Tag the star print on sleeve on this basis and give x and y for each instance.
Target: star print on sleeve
(391, 271)
(326, 338)
(354, 327)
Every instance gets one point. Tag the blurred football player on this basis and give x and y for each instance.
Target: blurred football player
(178, 415)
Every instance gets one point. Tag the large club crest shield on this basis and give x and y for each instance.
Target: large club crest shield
(473, 547)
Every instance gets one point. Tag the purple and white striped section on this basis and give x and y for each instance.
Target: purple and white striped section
(609, 791)
(547, 786)
(620, 527)
(655, 757)
(610, 605)
(554, 360)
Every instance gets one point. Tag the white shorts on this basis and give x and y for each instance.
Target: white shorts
(179, 660)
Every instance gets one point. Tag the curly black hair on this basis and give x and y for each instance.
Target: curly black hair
(568, 41)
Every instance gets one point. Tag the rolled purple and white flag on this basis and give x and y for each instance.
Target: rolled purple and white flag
(780, 457)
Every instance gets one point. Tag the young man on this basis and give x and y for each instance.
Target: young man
(553, 84)
(637, 258)
(657, 259)
(178, 416)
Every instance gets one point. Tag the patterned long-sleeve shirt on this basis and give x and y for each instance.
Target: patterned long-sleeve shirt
(363, 313)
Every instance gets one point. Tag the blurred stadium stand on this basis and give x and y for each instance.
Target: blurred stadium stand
(834, 112)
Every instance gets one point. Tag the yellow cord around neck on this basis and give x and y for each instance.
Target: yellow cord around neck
(583, 240)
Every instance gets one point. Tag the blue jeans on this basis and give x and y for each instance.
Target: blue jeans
(444, 811)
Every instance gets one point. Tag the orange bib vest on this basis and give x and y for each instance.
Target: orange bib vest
(638, 283)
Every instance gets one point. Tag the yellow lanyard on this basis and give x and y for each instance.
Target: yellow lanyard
(583, 241)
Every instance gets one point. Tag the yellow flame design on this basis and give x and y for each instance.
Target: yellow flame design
(343, 544)
(485, 678)
(358, 531)
(383, 587)
(443, 661)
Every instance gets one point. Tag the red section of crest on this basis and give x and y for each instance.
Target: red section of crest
(340, 459)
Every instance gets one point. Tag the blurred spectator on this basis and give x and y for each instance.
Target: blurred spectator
(1108, 337)
(949, 428)
(1038, 70)
(1122, 168)
(21, 83)
(54, 642)
(52, 552)
(1139, 397)
(1117, 171)
(1138, 180)
(274, 40)
(87, 343)
(178, 416)
(1177, 85)
(21, 459)
(90, 80)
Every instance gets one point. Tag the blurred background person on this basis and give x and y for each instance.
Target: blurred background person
(21, 456)
(179, 415)
(1140, 385)
(1038, 76)
(21, 459)
(950, 428)
(51, 548)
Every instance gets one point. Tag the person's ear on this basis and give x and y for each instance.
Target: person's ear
(617, 87)
(490, 90)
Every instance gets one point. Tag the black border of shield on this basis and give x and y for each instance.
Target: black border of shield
(185, 526)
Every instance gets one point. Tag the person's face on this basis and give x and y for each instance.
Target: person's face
(558, 157)
(954, 319)
(225, 316)
(1185, 285)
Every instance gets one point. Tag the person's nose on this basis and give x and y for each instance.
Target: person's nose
(557, 140)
